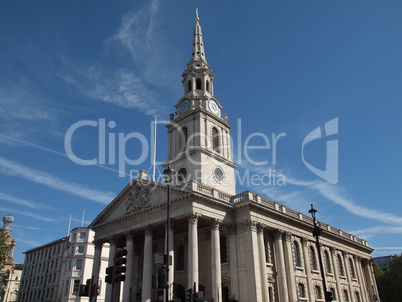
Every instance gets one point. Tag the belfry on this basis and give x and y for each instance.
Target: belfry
(224, 246)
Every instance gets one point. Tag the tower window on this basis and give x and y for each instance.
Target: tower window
(215, 140)
(198, 84)
(188, 85)
(208, 86)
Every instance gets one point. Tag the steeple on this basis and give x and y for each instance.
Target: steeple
(198, 79)
(198, 53)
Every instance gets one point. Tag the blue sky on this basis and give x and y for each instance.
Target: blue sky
(281, 67)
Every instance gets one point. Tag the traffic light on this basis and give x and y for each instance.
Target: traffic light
(85, 289)
(109, 274)
(189, 295)
(120, 267)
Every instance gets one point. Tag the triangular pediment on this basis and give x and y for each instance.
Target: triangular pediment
(138, 195)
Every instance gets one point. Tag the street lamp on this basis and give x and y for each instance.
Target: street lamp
(317, 234)
(168, 173)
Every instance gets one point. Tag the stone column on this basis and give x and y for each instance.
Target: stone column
(336, 271)
(112, 254)
(234, 278)
(96, 265)
(307, 268)
(348, 275)
(216, 277)
(371, 282)
(171, 267)
(192, 250)
(263, 263)
(281, 267)
(147, 267)
(128, 283)
(361, 279)
(290, 267)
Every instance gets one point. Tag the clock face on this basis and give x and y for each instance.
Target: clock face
(218, 173)
(184, 106)
(213, 106)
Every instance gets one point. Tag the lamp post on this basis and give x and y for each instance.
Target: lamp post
(317, 234)
(168, 173)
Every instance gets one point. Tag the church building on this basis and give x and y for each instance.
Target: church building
(225, 246)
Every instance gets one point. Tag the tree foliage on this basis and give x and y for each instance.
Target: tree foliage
(4, 250)
(389, 281)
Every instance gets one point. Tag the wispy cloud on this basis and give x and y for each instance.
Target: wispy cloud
(24, 202)
(29, 214)
(8, 167)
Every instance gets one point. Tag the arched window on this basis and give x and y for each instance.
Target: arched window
(352, 268)
(328, 262)
(313, 255)
(188, 85)
(345, 296)
(223, 249)
(183, 136)
(341, 266)
(208, 87)
(297, 253)
(198, 84)
(215, 140)
(318, 294)
(180, 258)
(332, 290)
(301, 290)
(357, 297)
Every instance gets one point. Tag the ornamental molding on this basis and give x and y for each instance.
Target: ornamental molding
(138, 198)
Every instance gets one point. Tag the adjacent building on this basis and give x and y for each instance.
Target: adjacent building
(54, 271)
(228, 246)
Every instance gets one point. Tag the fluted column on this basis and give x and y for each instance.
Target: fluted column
(130, 265)
(336, 271)
(147, 267)
(216, 277)
(234, 278)
(263, 263)
(291, 268)
(192, 250)
(307, 268)
(112, 254)
(96, 265)
(362, 281)
(281, 267)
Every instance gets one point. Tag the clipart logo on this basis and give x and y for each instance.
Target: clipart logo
(330, 173)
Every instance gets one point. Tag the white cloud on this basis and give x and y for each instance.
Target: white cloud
(8, 167)
(29, 214)
(24, 202)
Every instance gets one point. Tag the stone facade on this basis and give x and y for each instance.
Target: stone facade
(228, 246)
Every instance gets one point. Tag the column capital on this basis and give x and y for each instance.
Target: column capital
(288, 236)
(215, 223)
(250, 224)
(193, 217)
(260, 227)
(232, 229)
(171, 222)
(112, 240)
(305, 241)
(129, 235)
(98, 243)
(279, 234)
(147, 229)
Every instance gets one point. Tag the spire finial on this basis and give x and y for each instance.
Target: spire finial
(196, 15)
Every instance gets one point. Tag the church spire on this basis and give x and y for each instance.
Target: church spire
(198, 52)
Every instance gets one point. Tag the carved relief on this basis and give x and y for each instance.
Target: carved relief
(139, 197)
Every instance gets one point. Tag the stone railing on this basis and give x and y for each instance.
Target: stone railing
(248, 196)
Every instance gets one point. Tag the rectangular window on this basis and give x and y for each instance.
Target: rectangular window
(74, 237)
(76, 287)
(83, 236)
(78, 265)
(81, 249)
